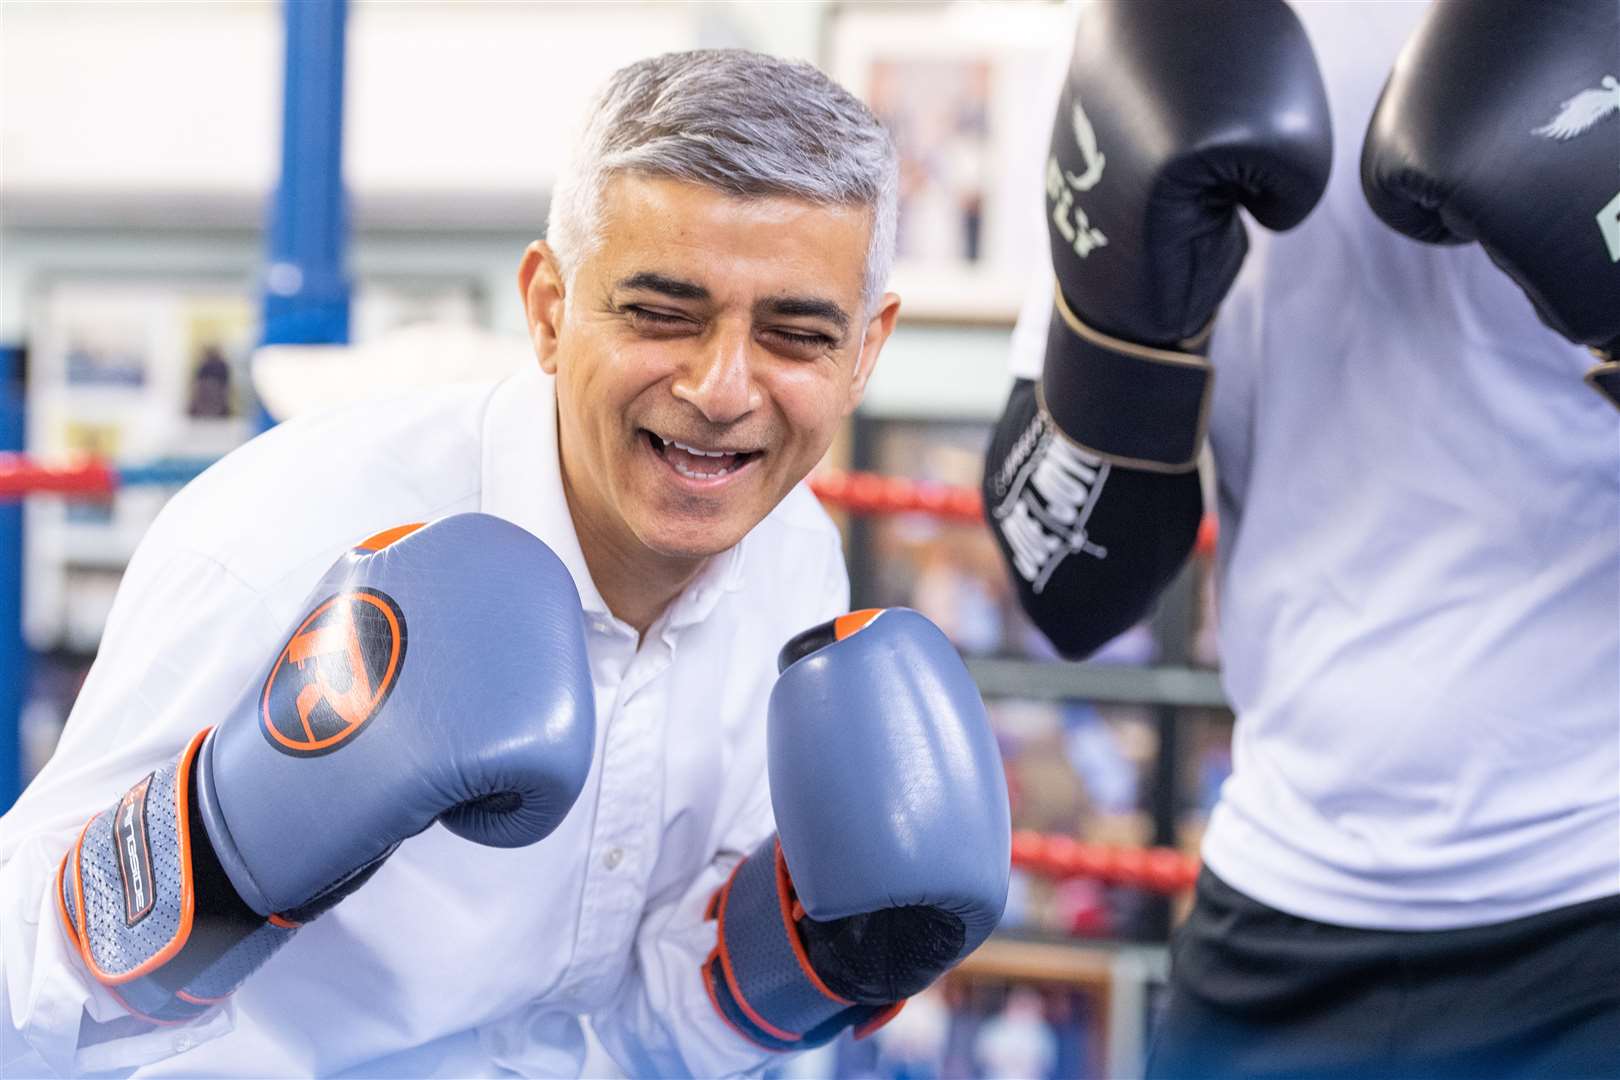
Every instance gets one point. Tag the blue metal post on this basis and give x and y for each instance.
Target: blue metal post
(306, 282)
(14, 659)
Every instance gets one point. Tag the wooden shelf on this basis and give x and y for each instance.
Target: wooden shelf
(1032, 961)
(1046, 680)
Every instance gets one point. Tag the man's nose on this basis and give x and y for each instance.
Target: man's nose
(719, 382)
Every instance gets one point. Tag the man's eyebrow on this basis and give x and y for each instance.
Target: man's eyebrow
(653, 281)
(804, 305)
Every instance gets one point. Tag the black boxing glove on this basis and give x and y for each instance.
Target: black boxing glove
(1501, 124)
(1089, 547)
(1174, 114)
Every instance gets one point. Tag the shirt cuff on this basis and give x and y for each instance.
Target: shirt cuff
(66, 1018)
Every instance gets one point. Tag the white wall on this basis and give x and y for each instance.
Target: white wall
(138, 97)
(468, 96)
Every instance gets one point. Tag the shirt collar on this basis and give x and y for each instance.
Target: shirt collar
(522, 483)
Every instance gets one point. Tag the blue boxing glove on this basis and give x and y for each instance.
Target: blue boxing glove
(891, 859)
(438, 674)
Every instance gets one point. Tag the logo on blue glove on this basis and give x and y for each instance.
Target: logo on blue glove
(334, 674)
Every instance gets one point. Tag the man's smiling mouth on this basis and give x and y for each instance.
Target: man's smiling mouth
(696, 462)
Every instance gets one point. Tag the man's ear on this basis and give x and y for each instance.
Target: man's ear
(540, 282)
(878, 329)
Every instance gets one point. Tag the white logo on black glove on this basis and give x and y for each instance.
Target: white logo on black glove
(1068, 218)
(1047, 503)
(1575, 117)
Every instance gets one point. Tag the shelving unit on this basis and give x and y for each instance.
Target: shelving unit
(1121, 979)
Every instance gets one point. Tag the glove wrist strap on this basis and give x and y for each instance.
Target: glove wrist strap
(149, 913)
(758, 976)
(1131, 405)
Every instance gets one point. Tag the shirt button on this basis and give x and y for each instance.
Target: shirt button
(182, 1043)
(612, 859)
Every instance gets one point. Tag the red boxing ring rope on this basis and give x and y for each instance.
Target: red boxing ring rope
(871, 493)
(83, 476)
(875, 494)
(1159, 870)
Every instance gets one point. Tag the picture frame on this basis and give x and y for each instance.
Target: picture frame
(967, 91)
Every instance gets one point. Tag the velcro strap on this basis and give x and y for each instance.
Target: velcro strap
(127, 883)
(216, 980)
(126, 892)
(1605, 378)
(762, 961)
(1132, 405)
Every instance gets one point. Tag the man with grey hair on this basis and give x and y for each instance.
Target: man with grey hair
(743, 165)
(705, 315)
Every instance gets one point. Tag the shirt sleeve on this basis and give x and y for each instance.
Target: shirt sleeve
(183, 641)
(662, 1022)
(1026, 354)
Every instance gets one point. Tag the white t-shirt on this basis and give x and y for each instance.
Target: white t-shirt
(456, 959)
(1419, 560)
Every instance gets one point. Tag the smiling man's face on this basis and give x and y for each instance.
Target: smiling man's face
(705, 355)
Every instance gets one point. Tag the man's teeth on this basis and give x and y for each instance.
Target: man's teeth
(696, 463)
(695, 450)
(695, 474)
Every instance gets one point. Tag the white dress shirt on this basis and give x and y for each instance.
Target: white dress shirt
(1419, 587)
(456, 959)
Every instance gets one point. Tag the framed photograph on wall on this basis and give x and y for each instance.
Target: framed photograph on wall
(125, 369)
(967, 91)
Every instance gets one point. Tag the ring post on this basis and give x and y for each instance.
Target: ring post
(306, 281)
(14, 664)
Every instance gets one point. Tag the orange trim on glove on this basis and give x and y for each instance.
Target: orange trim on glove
(714, 999)
(731, 976)
(788, 899)
(73, 931)
(81, 937)
(847, 626)
(378, 541)
(879, 1019)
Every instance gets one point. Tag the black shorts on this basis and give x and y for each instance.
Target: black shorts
(1258, 993)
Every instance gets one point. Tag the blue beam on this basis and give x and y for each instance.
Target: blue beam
(306, 280)
(14, 659)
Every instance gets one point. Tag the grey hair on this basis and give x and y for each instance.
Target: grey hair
(741, 122)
